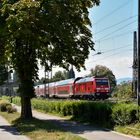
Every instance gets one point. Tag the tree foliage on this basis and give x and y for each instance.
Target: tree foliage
(53, 31)
(103, 71)
(123, 91)
(60, 76)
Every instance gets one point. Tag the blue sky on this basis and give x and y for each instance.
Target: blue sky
(113, 24)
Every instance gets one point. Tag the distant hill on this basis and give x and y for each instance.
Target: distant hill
(125, 79)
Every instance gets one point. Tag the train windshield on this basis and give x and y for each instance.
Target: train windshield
(101, 81)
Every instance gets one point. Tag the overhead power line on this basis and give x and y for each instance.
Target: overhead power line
(116, 30)
(118, 35)
(110, 55)
(107, 51)
(104, 29)
(113, 11)
(117, 48)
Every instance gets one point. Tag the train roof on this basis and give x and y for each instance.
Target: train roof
(52, 84)
(85, 79)
(62, 82)
(65, 82)
(42, 85)
(70, 81)
(88, 79)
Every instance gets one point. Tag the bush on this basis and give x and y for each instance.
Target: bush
(123, 91)
(124, 113)
(98, 112)
(11, 109)
(7, 107)
(3, 106)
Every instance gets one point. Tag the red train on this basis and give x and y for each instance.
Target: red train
(87, 88)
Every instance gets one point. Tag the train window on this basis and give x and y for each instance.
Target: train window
(101, 81)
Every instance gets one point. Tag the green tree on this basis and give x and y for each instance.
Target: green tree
(103, 71)
(123, 91)
(53, 31)
(65, 74)
(60, 76)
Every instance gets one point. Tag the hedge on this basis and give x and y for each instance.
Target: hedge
(101, 112)
(124, 113)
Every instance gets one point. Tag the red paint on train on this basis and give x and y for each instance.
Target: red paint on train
(88, 87)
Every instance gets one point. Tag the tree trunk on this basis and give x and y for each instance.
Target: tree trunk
(26, 111)
(25, 65)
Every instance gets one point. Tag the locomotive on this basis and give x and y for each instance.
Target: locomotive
(81, 88)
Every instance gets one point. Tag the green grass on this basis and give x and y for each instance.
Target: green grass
(132, 129)
(39, 129)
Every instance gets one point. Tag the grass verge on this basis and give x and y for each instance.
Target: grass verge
(132, 129)
(39, 129)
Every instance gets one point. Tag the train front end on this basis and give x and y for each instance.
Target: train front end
(102, 90)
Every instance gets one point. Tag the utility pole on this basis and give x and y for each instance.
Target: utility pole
(48, 85)
(45, 81)
(135, 65)
(138, 94)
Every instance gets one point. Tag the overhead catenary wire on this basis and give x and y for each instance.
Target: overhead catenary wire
(107, 51)
(109, 35)
(116, 30)
(118, 35)
(113, 33)
(112, 12)
(112, 26)
(101, 59)
(111, 55)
